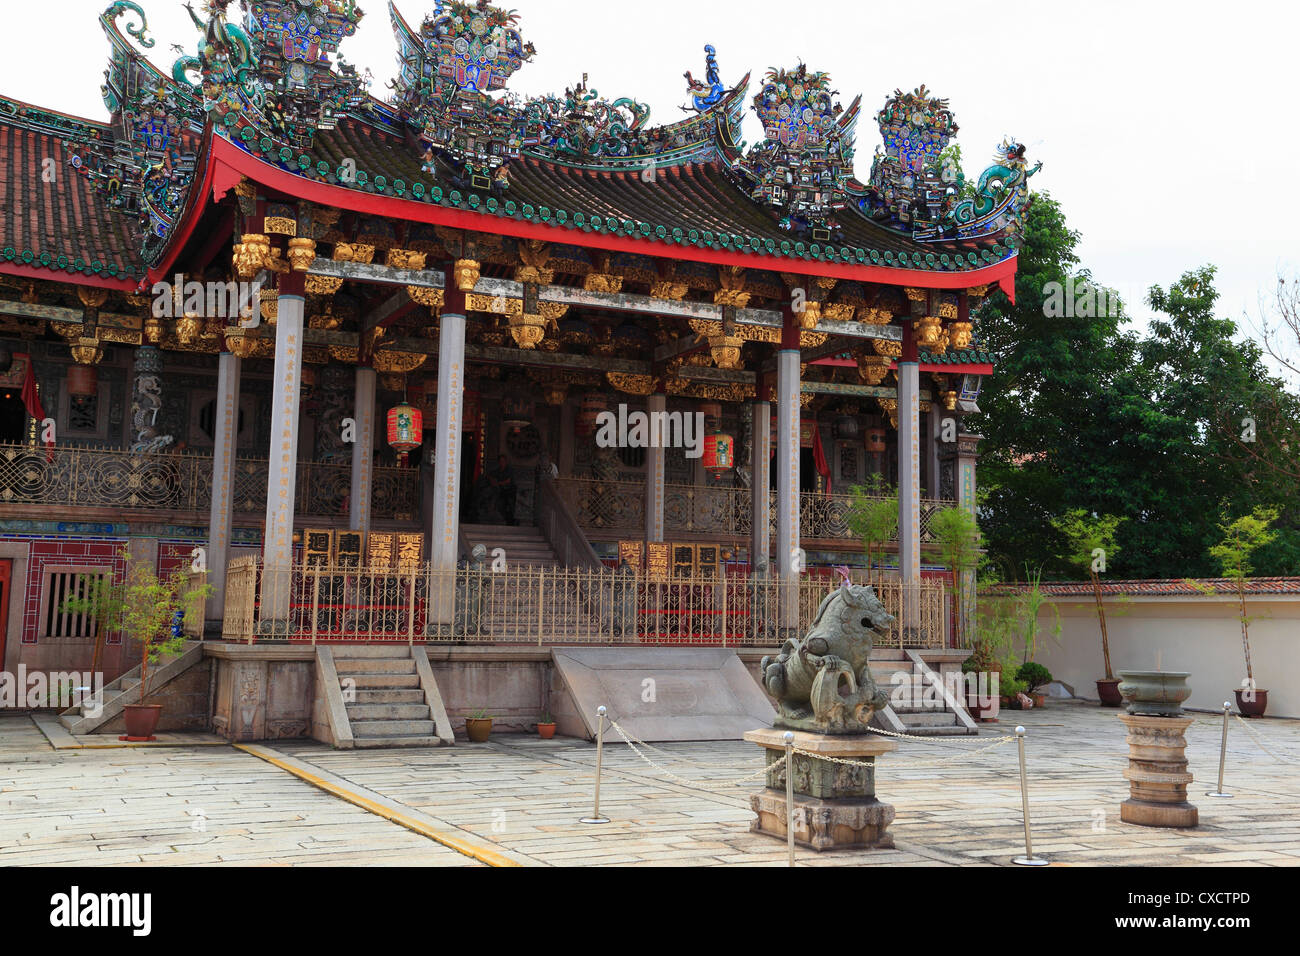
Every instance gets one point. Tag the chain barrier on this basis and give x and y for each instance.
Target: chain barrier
(908, 764)
(1260, 741)
(706, 785)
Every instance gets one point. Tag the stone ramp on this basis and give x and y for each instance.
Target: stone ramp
(698, 693)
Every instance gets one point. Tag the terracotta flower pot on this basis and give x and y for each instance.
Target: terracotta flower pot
(141, 720)
(546, 731)
(478, 729)
(1253, 708)
(1108, 692)
(1155, 693)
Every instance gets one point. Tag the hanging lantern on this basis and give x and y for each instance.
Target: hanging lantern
(592, 408)
(83, 380)
(712, 412)
(875, 440)
(405, 430)
(846, 427)
(719, 454)
(517, 411)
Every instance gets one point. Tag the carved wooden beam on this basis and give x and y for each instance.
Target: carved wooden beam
(856, 391)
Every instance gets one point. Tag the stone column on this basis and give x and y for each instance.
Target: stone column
(445, 533)
(789, 557)
(656, 405)
(225, 439)
(967, 452)
(363, 450)
(282, 461)
(1157, 772)
(760, 536)
(909, 477)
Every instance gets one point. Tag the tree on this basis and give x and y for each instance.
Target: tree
(1090, 541)
(1235, 554)
(145, 606)
(873, 517)
(958, 537)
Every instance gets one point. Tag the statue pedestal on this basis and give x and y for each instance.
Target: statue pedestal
(1157, 772)
(835, 805)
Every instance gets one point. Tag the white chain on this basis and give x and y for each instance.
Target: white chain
(943, 762)
(763, 771)
(938, 740)
(1260, 741)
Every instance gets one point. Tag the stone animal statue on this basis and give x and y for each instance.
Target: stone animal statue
(822, 681)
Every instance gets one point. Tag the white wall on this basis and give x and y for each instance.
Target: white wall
(1201, 635)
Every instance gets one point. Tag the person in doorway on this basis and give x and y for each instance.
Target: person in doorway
(503, 481)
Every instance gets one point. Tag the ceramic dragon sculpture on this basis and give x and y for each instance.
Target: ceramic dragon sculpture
(1001, 190)
(705, 96)
(822, 681)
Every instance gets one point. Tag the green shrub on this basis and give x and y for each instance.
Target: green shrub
(1034, 675)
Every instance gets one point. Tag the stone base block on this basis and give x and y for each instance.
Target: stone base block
(825, 824)
(1158, 814)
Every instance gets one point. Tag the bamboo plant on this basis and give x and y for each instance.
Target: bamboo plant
(1235, 553)
(958, 537)
(1090, 542)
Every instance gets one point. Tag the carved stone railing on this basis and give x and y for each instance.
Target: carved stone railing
(116, 478)
(618, 508)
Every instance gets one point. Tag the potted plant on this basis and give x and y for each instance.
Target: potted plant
(1011, 689)
(1241, 539)
(478, 726)
(145, 606)
(546, 726)
(1091, 543)
(1036, 677)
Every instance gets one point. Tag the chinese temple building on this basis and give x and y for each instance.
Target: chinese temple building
(318, 342)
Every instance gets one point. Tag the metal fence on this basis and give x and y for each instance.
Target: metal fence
(541, 606)
(119, 478)
(618, 508)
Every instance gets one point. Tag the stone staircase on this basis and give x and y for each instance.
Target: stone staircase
(86, 718)
(389, 697)
(524, 546)
(919, 717)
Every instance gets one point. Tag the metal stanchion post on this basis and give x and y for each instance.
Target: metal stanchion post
(1223, 754)
(600, 749)
(1028, 859)
(789, 795)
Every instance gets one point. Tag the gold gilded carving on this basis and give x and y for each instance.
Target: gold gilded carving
(467, 273)
(434, 298)
(888, 347)
(602, 282)
(86, 351)
(92, 298)
(354, 252)
(301, 254)
(281, 226)
(393, 362)
(323, 285)
(405, 259)
(527, 330)
(632, 384)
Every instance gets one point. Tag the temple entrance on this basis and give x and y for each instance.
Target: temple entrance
(468, 466)
(13, 418)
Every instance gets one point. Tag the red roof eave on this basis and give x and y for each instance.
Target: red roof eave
(226, 164)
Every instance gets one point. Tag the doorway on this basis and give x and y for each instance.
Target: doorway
(13, 418)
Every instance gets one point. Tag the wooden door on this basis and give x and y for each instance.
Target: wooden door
(6, 573)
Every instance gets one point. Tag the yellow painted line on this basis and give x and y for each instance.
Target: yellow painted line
(482, 854)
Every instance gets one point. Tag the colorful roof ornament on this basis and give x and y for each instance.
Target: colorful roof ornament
(274, 74)
(146, 168)
(916, 185)
(803, 164)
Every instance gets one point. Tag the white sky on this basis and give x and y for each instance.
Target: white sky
(1166, 129)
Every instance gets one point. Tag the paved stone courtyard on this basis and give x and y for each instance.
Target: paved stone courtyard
(521, 797)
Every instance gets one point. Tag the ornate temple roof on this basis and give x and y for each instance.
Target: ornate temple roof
(53, 219)
(269, 95)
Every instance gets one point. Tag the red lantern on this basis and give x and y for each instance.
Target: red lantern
(405, 430)
(719, 454)
(592, 408)
(83, 380)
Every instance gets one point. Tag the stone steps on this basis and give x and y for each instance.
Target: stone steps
(389, 707)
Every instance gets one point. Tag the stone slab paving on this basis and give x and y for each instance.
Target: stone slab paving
(523, 796)
(142, 806)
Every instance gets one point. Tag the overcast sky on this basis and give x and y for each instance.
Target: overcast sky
(1166, 129)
